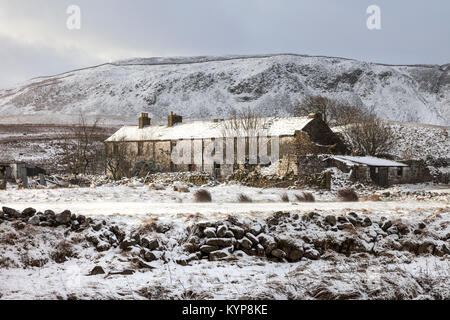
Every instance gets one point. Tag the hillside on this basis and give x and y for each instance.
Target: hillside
(206, 87)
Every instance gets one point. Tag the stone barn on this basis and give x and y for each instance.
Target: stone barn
(19, 170)
(382, 172)
(148, 141)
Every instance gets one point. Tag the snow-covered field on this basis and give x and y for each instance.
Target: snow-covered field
(27, 253)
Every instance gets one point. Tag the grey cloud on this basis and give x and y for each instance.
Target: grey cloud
(413, 31)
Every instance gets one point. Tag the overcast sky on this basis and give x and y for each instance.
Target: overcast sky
(34, 39)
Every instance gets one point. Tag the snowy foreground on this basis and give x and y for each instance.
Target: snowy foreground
(396, 248)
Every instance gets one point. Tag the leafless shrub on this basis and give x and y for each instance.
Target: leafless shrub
(368, 135)
(63, 251)
(334, 112)
(305, 197)
(83, 147)
(348, 195)
(246, 123)
(202, 196)
(285, 197)
(244, 198)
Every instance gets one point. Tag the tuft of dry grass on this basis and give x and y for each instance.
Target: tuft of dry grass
(203, 195)
(285, 197)
(305, 197)
(244, 198)
(348, 195)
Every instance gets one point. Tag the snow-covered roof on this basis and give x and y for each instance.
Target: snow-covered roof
(369, 161)
(206, 130)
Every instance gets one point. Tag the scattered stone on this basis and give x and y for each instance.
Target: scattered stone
(331, 220)
(295, 254)
(98, 226)
(34, 220)
(229, 234)
(208, 249)
(127, 243)
(11, 212)
(278, 253)
(220, 242)
(63, 217)
(28, 212)
(367, 222)
(238, 232)
(217, 255)
(97, 270)
(260, 250)
(210, 233)
(256, 229)
(103, 246)
(252, 238)
(312, 254)
(245, 243)
(386, 225)
(150, 256)
(151, 244)
(221, 231)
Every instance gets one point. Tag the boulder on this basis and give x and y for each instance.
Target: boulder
(127, 243)
(97, 270)
(150, 256)
(28, 212)
(278, 253)
(221, 242)
(268, 242)
(312, 254)
(245, 243)
(11, 212)
(238, 232)
(221, 231)
(208, 249)
(260, 250)
(386, 225)
(97, 226)
(63, 217)
(256, 229)
(34, 220)
(103, 246)
(217, 255)
(296, 254)
(151, 244)
(229, 234)
(331, 220)
(252, 238)
(367, 222)
(210, 233)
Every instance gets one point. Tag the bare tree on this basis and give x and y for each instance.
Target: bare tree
(314, 104)
(83, 147)
(245, 123)
(334, 112)
(368, 135)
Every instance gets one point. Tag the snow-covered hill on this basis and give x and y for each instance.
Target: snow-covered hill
(207, 87)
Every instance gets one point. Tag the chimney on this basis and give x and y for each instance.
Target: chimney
(174, 119)
(144, 120)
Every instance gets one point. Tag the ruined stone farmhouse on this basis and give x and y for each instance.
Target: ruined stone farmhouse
(148, 141)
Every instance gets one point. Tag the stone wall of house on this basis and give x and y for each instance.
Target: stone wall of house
(417, 172)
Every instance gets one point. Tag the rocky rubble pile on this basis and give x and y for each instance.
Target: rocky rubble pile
(98, 233)
(283, 237)
(189, 178)
(259, 180)
(286, 237)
